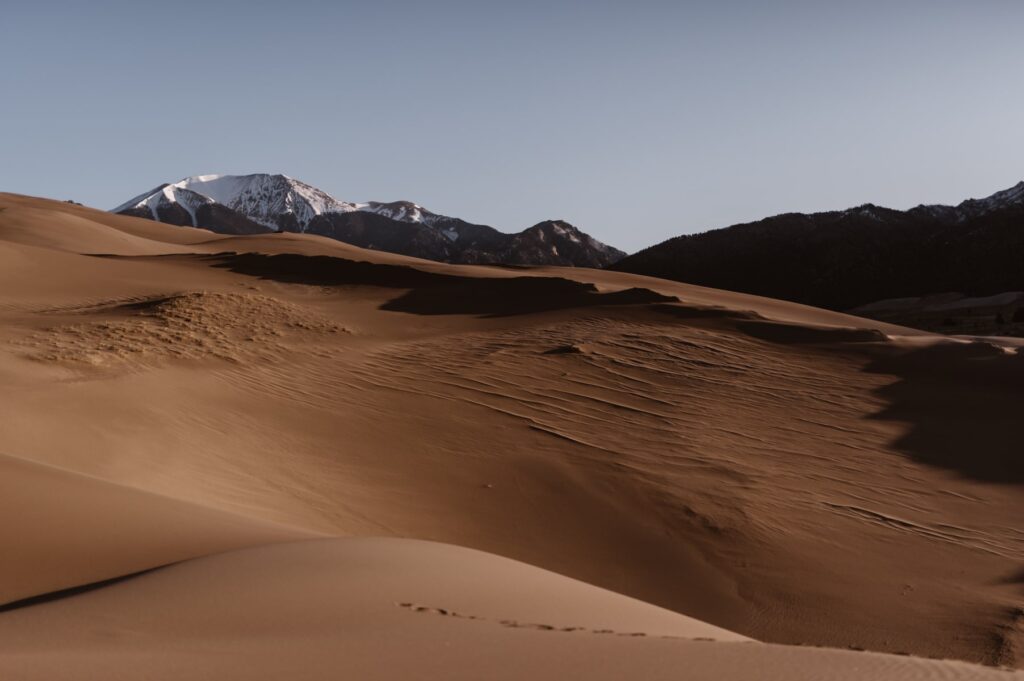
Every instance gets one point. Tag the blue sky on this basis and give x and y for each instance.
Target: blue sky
(636, 121)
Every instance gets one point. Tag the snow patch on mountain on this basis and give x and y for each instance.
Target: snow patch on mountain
(972, 208)
(265, 198)
(1008, 197)
(167, 194)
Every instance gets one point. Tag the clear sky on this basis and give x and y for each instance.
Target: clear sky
(636, 121)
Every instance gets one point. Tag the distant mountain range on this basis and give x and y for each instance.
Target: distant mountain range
(845, 259)
(258, 203)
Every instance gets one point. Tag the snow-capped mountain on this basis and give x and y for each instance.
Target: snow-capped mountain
(274, 201)
(246, 204)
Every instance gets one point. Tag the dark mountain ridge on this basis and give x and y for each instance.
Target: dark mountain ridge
(843, 259)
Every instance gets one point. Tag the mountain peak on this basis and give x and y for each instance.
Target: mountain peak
(403, 211)
(561, 224)
(261, 202)
(1001, 199)
(261, 197)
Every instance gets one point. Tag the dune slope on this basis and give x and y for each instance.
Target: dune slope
(389, 608)
(65, 530)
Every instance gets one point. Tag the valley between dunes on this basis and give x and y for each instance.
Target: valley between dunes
(280, 456)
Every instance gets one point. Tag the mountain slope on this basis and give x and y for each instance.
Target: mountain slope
(251, 204)
(843, 259)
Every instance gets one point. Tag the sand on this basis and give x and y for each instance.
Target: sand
(396, 608)
(811, 480)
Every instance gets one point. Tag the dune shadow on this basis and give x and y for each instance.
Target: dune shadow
(757, 326)
(691, 313)
(432, 293)
(40, 599)
(802, 334)
(1016, 577)
(964, 404)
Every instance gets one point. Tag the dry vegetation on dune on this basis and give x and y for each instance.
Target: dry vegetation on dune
(790, 474)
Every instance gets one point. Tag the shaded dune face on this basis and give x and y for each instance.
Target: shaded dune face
(433, 293)
(979, 417)
(792, 475)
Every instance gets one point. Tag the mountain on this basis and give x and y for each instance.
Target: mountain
(251, 204)
(844, 259)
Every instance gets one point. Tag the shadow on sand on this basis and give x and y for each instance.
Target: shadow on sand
(965, 406)
(430, 293)
(963, 402)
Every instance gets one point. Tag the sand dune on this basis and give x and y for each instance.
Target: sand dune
(388, 608)
(63, 530)
(74, 228)
(794, 475)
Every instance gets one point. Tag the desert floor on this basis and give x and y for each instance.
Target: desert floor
(284, 457)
